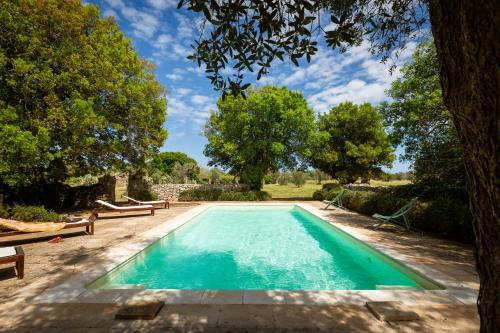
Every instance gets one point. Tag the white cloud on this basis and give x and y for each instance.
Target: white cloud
(186, 106)
(110, 12)
(180, 50)
(183, 91)
(144, 24)
(332, 78)
(200, 99)
(162, 4)
(177, 74)
(200, 71)
(116, 3)
(163, 40)
(174, 77)
(356, 91)
(185, 27)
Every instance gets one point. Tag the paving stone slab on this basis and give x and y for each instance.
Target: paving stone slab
(390, 311)
(140, 310)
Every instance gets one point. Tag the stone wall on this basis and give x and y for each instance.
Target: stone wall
(366, 187)
(170, 192)
(357, 187)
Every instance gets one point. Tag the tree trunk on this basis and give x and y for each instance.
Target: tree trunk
(467, 37)
(109, 184)
(137, 187)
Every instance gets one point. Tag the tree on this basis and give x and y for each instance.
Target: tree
(75, 98)
(422, 124)
(319, 176)
(261, 133)
(298, 178)
(184, 172)
(165, 163)
(352, 143)
(256, 32)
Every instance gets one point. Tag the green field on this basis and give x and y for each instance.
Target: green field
(389, 183)
(291, 191)
(119, 191)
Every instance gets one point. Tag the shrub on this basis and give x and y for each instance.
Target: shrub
(145, 195)
(200, 195)
(85, 180)
(4, 212)
(219, 195)
(325, 194)
(298, 178)
(283, 178)
(448, 217)
(268, 179)
(33, 213)
(329, 186)
(226, 179)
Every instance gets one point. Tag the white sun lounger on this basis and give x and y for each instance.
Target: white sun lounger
(14, 254)
(122, 209)
(164, 203)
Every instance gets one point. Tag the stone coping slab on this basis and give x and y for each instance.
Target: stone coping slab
(75, 289)
(144, 309)
(391, 311)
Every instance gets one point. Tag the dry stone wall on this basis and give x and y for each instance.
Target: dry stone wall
(170, 192)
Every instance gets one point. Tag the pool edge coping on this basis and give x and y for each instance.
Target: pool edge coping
(74, 290)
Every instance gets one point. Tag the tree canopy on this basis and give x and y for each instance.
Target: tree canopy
(249, 35)
(352, 143)
(420, 122)
(266, 131)
(166, 162)
(75, 97)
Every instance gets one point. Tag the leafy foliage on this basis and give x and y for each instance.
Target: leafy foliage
(352, 143)
(165, 162)
(250, 34)
(75, 98)
(220, 195)
(182, 173)
(445, 216)
(420, 121)
(298, 178)
(33, 213)
(262, 133)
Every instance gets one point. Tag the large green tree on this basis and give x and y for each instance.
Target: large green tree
(351, 143)
(264, 132)
(75, 97)
(251, 34)
(165, 163)
(420, 121)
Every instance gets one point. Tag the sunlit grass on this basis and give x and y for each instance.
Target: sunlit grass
(292, 191)
(119, 191)
(389, 183)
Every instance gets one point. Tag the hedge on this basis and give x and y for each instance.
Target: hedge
(29, 213)
(448, 217)
(219, 195)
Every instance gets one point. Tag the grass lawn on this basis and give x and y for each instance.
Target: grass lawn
(119, 191)
(389, 183)
(291, 191)
(305, 192)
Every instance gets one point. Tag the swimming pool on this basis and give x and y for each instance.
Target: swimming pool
(263, 248)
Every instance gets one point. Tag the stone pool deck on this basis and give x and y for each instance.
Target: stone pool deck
(49, 265)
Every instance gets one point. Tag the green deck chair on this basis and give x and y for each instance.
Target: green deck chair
(336, 201)
(402, 212)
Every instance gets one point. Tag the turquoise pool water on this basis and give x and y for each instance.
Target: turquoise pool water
(260, 247)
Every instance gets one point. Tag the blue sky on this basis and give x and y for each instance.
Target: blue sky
(163, 35)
